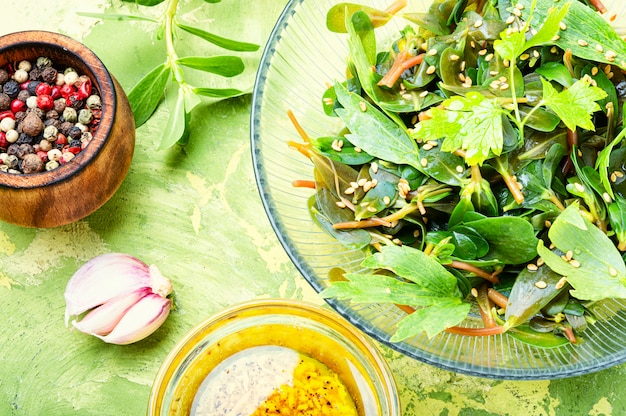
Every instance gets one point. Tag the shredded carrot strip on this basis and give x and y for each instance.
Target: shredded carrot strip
(301, 183)
(599, 6)
(298, 127)
(404, 60)
(396, 6)
(476, 332)
(484, 306)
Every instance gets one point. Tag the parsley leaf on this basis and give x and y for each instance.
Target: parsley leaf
(472, 123)
(598, 268)
(430, 288)
(574, 105)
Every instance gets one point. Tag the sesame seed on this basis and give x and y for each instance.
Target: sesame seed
(460, 169)
(431, 69)
(506, 63)
(432, 52)
(504, 86)
(364, 204)
(493, 73)
(354, 184)
(569, 255)
(349, 191)
(532, 267)
(372, 209)
(562, 25)
(357, 149)
(610, 56)
(510, 20)
(574, 263)
(536, 54)
(599, 48)
(582, 42)
(519, 6)
(607, 198)
(424, 162)
(478, 23)
(613, 177)
(468, 82)
(340, 204)
(489, 57)
(555, 38)
(329, 101)
(540, 262)
(367, 186)
(362, 181)
(553, 49)
(422, 95)
(416, 232)
(407, 96)
(472, 44)
(541, 284)
(612, 271)
(517, 12)
(397, 242)
(594, 71)
(432, 143)
(618, 174)
(374, 167)
(474, 292)
(363, 106)
(461, 77)
(454, 57)
(386, 200)
(374, 182)
(547, 223)
(579, 187)
(524, 56)
(561, 283)
(482, 52)
(427, 147)
(337, 145)
(462, 68)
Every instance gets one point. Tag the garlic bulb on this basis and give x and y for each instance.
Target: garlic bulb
(117, 298)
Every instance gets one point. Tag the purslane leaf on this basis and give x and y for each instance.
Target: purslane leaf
(222, 42)
(218, 92)
(117, 16)
(226, 66)
(373, 132)
(148, 92)
(336, 16)
(597, 269)
(176, 122)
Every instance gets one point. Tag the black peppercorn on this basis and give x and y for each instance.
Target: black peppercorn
(32, 87)
(4, 76)
(52, 114)
(13, 149)
(75, 143)
(65, 127)
(23, 95)
(75, 102)
(25, 139)
(32, 164)
(11, 88)
(25, 149)
(5, 102)
(75, 132)
(34, 74)
(49, 75)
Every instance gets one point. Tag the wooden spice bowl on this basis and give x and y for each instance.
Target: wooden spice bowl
(77, 188)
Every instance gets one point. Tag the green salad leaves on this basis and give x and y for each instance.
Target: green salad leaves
(481, 167)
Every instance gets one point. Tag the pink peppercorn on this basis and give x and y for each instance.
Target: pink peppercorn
(67, 90)
(17, 106)
(84, 89)
(75, 150)
(55, 92)
(7, 113)
(43, 155)
(61, 139)
(24, 85)
(3, 140)
(43, 89)
(45, 102)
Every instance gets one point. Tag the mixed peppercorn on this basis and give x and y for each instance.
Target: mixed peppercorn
(47, 116)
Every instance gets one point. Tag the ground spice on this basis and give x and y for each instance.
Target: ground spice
(54, 112)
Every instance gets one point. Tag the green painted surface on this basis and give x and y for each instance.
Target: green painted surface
(197, 215)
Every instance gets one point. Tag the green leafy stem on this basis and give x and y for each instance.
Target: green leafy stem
(169, 77)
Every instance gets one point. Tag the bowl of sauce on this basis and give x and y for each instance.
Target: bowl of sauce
(274, 357)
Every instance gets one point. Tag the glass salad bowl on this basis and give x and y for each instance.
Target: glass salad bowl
(301, 60)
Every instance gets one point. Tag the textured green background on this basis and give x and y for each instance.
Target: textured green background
(197, 215)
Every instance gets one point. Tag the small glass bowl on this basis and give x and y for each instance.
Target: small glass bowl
(308, 329)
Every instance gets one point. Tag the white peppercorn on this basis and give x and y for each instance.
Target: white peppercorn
(31, 102)
(71, 77)
(43, 62)
(54, 154)
(45, 145)
(85, 116)
(11, 161)
(50, 133)
(25, 65)
(69, 114)
(93, 102)
(7, 124)
(52, 165)
(20, 76)
(12, 136)
(67, 156)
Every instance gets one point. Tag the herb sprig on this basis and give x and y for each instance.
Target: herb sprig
(169, 78)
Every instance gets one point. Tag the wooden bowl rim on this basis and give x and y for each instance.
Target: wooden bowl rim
(99, 75)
